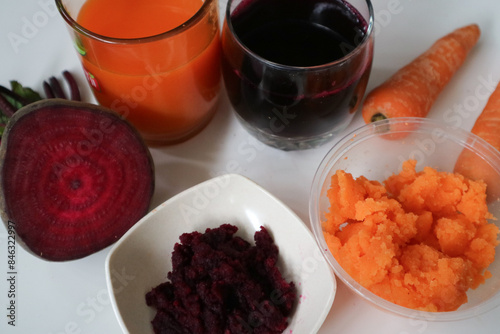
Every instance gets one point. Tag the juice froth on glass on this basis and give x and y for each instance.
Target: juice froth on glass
(155, 62)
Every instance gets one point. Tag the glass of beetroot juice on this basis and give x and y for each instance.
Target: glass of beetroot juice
(155, 62)
(296, 70)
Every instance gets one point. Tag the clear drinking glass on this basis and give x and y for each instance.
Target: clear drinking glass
(166, 85)
(294, 85)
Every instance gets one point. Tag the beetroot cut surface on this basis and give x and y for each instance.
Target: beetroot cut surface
(74, 178)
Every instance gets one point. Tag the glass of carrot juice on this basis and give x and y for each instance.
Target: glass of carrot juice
(155, 62)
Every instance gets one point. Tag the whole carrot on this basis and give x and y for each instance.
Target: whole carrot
(412, 90)
(487, 126)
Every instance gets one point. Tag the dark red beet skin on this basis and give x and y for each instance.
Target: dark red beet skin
(74, 178)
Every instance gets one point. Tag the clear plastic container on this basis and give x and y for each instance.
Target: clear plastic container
(376, 151)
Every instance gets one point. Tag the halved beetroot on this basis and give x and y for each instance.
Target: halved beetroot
(74, 177)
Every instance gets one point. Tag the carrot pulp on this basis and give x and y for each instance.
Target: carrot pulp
(419, 239)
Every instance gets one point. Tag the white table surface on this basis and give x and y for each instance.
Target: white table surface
(71, 297)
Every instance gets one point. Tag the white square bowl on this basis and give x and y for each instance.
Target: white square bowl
(141, 259)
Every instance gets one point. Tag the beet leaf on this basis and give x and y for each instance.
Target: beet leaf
(28, 94)
(19, 96)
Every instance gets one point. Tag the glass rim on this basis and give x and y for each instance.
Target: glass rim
(136, 40)
(367, 37)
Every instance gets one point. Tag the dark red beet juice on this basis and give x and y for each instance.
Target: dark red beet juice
(280, 70)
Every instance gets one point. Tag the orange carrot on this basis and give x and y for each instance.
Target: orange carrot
(487, 126)
(412, 90)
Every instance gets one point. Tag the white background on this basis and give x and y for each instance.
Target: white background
(71, 297)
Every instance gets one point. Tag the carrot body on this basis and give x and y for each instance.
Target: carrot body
(412, 90)
(487, 126)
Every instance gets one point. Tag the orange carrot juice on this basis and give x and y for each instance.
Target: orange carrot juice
(156, 62)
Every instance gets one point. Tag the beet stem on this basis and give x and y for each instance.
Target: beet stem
(7, 108)
(56, 88)
(48, 91)
(73, 86)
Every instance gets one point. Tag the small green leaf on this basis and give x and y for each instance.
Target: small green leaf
(25, 92)
(79, 46)
(17, 104)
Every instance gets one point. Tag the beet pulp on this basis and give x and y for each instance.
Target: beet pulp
(74, 178)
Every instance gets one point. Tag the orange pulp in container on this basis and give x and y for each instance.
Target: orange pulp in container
(419, 240)
(167, 86)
